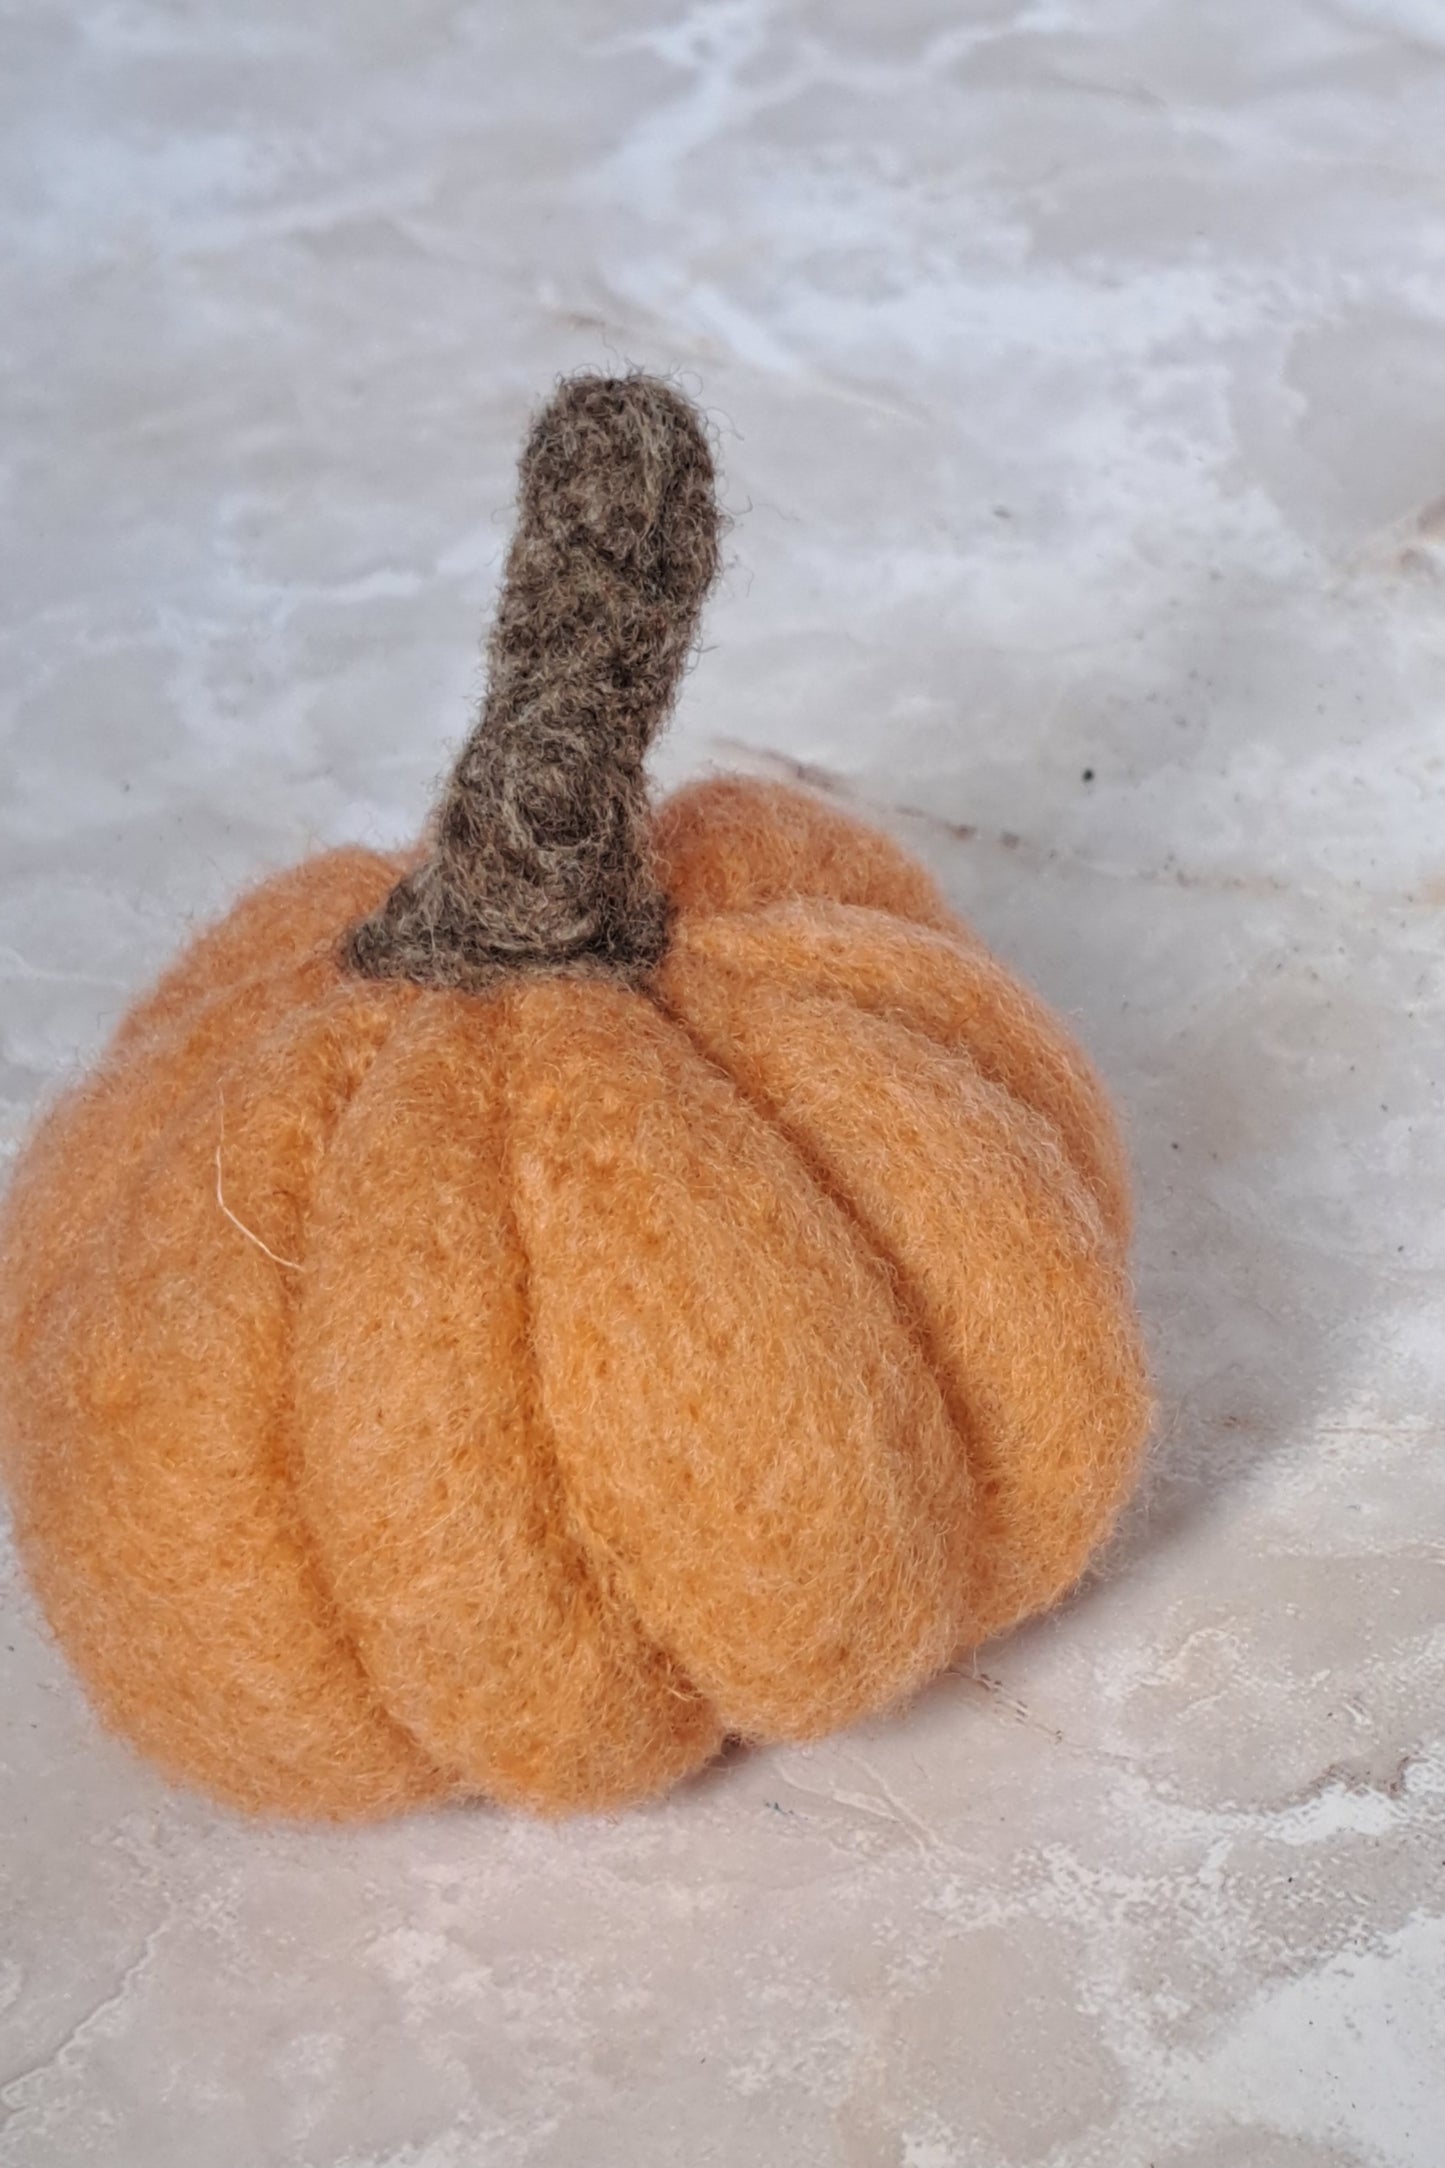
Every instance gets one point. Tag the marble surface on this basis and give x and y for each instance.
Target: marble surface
(1077, 369)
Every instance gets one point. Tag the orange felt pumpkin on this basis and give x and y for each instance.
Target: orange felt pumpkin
(501, 1321)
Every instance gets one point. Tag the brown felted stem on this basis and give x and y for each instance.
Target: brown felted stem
(540, 857)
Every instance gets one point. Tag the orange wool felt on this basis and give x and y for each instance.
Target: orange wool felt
(418, 1390)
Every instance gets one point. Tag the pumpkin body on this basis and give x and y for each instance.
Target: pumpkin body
(416, 1392)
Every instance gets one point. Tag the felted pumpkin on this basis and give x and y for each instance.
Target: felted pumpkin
(503, 1319)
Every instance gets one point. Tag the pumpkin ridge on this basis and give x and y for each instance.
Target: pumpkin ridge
(130, 1222)
(341, 1000)
(284, 1445)
(287, 1457)
(1076, 1077)
(735, 842)
(908, 1309)
(170, 1003)
(90, 1112)
(213, 1080)
(608, 1589)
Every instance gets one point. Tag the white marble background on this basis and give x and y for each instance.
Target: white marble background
(1079, 371)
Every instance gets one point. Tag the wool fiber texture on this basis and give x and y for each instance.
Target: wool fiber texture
(541, 856)
(429, 1378)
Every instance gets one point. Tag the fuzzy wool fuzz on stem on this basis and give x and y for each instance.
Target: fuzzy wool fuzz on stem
(540, 857)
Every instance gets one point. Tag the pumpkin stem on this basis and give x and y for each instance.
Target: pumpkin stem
(539, 854)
